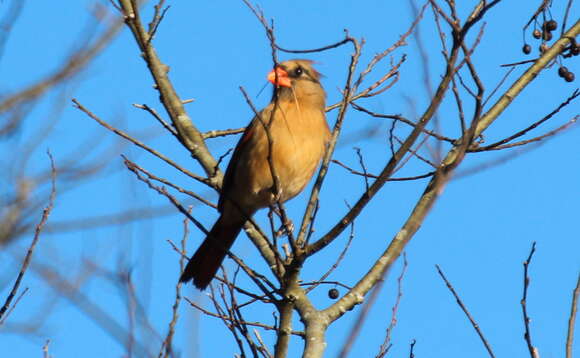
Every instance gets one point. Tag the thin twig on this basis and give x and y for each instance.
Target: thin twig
(138, 143)
(96, 313)
(402, 119)
(426, 76)
(256, 277)
(156, 115)
(384, 349)
(167, 345)
(527, 335)
(546, 135)
(355, 172)
(543, 6)
(464, 309)
(45, 353)
(573, 96)
(536, 143)
(566, 13)
(334, 283)
(519, 63)
(69, 68)
(164, 192)
(572, 319)
(45, 214)
(412, 346)
(254, 324)
(459, 104)
(222, 133)
(415, 153)
(320, 49)
(227, 319)
(363, 166)
(168, 183)
(235, 312)
(262, 347)
(336, 263)
(254, 297)
(154, 25)
(498, 86)
(13, 306)
(356, 328)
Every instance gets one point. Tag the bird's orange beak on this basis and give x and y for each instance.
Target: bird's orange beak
(279, 77)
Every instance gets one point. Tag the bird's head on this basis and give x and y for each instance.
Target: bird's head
(297, 80)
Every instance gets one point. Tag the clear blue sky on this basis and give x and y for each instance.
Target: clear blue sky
(480, 230)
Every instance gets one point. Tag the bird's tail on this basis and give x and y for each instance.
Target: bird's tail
(204, 264)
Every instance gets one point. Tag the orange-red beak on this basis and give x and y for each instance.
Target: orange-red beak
(279, 77)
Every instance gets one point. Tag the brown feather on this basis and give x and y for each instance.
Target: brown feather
(297, 125)
(208, 258)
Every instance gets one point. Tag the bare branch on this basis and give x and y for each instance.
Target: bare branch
(464, 309)
(156, 115)
(572, 319)
(168, 183)
(139, 144)
(69, 68)
(320, 49)
(189, 135)
(45, 214)
(357, 326)
(336, 263)
(384, 349)
(549, 134)
(527, 335)
(253, 324)
(161, 190)
(356, 172)
(223, 133)
(392, 164)
(573, 96)
(398, 118)
(411, 347)
(167, 346)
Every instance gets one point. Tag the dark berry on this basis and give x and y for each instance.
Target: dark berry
(333, 293)
(569, 77)
(551, 25)
(562, 71)
(547, 35)
(527, 49)
(575, 50)
(537, 34)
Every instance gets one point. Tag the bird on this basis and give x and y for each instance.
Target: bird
(296, 122)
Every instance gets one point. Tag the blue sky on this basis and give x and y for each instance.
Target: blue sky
(479, 232)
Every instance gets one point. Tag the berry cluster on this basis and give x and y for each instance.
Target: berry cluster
(565, 74)
(545, 35)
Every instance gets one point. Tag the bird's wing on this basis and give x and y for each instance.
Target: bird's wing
(245, 140)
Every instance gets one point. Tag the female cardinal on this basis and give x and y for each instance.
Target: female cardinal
(296, 122)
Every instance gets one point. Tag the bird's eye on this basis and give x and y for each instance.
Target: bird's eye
(298, 71)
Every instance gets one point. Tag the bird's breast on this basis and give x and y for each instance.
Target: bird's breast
(299, 137)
